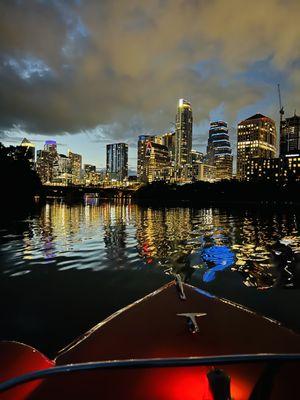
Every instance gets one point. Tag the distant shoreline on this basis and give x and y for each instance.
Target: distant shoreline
(226, 193)
(210, 203)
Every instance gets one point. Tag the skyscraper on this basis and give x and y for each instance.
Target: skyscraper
(219, 150)
(143, 140)
(256, 139)
(168, 140)
(157, 162)
(117, 161)
(183, 135)
(155, 152)
(44, 166)
(63, 170)
(47, 162)
(290, 136)
(75, 167)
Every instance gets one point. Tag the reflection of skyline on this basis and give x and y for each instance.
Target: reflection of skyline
(117, 235)
(115, 219)
(160, 234)
(209, 241)
(255, 253)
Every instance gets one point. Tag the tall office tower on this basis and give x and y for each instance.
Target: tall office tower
(143, 140)
(44, 166)
(117, 161)
(256, 138)
(62, 170)
(219, 150)
(75, 167)
(183, 135)
(168, 140)
(157, 162)
(64, 164)
(27, 150)
(290, 136)
(47, 162)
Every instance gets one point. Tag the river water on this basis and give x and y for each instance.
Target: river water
(66, 267)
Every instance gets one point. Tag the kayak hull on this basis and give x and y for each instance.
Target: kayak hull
(157, 327)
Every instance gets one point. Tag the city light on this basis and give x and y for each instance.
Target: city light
(169, 157)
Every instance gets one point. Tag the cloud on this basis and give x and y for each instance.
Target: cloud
(116, 69)
(28, 67)
(16, 134)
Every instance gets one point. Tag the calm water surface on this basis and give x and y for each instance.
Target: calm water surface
(65, 268)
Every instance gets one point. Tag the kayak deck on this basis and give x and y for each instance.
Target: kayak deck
(151, 328)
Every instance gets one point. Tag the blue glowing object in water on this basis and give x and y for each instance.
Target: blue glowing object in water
(222, 258)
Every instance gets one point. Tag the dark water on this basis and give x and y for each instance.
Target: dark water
(65, 268)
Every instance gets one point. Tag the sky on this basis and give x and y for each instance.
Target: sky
(91, 72)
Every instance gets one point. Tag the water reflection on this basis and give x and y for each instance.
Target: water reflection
(264, 248)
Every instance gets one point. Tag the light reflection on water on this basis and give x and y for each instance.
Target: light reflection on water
(66, 268)
(263, 249)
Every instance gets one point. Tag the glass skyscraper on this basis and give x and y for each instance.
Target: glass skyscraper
(219, 150)
(75, 166)
(290, 136)
(142, 146)
(117, 161)
(47, 162)
(183, 135)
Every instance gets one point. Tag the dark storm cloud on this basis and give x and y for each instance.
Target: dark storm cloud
(116, 68)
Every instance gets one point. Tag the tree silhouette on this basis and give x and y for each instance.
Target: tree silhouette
(20, 183)
(229, 192)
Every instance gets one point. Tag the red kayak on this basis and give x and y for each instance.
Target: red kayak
(176, 343)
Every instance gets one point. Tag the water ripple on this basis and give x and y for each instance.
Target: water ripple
(264, 249)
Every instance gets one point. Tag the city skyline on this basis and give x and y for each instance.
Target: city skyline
(100, 151)
(87, 75)
(170, 157)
